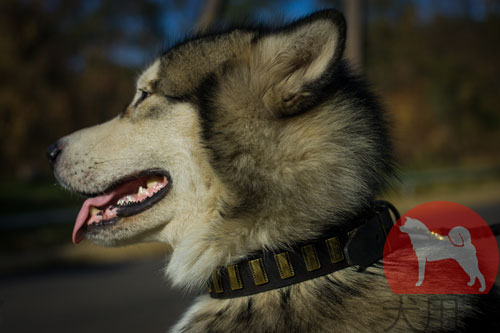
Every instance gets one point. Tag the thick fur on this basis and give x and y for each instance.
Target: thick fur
(269, 140)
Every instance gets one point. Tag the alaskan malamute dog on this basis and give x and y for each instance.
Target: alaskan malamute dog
(242, 151)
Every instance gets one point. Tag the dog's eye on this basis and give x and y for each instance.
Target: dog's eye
(175, 98)
(144, 95)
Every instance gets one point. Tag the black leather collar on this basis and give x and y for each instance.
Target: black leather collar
(337, 249)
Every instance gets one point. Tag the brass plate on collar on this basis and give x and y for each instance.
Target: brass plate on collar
(310, 258)
(284, 265)
(217, 283)
(334, 249)
(234, 277)
(258, 272)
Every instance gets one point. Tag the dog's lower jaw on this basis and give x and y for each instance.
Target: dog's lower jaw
(119, 238)
(132, 230)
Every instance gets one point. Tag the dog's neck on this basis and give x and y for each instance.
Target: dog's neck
(348, 299)
(360, 244)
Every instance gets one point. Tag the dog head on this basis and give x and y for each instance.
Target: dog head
(413, 226)
(233, 142)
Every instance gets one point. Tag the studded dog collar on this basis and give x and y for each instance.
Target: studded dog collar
(338, 249)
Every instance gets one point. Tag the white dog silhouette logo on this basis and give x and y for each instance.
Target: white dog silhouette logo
(431, 246)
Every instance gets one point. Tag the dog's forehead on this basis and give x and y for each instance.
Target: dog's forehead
(149, 76)
(183, 67)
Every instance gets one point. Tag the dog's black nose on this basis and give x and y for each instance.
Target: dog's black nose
(52, 152)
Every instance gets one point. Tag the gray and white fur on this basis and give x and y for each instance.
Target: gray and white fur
(269, 139)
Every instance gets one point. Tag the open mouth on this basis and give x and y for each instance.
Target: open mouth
(129, 196)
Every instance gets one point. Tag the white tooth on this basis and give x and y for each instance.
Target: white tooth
(94, 210)
(125, 200)
(142, 190)
(153, 181)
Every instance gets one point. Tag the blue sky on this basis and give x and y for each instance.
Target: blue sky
(177, 21)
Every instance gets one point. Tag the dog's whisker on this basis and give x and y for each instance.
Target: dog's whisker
(111, 160)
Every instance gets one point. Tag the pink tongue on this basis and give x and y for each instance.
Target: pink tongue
(84, 213)
(100, 201)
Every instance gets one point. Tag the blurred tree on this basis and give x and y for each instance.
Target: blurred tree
(355, 12)
(61, 68)
(210, 13)
(439, 77)
(69, 64)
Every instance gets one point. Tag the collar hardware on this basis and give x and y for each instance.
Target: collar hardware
(336, 250)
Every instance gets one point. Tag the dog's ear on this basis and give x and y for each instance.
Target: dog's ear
(297, 61)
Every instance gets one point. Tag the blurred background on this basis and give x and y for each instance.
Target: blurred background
(65, 65)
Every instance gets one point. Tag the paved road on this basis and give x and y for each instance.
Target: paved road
(131, 297)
